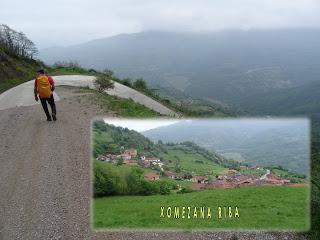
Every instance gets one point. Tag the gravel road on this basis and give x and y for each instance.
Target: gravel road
(45, 176)
(21, 95)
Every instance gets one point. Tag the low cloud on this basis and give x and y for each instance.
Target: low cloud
(70, 22)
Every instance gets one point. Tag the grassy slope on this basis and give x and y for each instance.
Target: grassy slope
(15, 70)
(259, 208)
(186, 157)
(122, 169)
(188, 162)
(120, 106)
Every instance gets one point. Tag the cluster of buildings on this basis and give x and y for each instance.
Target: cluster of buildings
(149, 161)
(129, 157)
(126, 155)
(229, 179)
(234, 179)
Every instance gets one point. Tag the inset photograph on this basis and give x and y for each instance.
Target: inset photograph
(178, 174)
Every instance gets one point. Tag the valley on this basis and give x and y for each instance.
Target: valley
(134, 178)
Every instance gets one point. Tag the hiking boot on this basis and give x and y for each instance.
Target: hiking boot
(54, 117)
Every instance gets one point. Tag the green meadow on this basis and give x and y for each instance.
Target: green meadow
(258, 208)
(192, 162)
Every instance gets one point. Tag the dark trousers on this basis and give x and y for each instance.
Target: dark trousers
(50, 100)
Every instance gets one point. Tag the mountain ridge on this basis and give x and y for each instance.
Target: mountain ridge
(233, 67)
(284, 144)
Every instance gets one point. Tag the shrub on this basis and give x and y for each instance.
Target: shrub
(149, 188)
(93, 71)
(120, 162)
(103, 82)
(134, 183)
(127, 82)
(164, 188)
(107, 72)
(66, 64)
(104, 181)
(140, 84)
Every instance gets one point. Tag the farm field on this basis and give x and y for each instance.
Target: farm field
(258, 207)
(192, 162)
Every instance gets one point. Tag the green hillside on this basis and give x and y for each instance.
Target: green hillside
(262, 142)
(15, 69)
(186, 155)
(184, 159)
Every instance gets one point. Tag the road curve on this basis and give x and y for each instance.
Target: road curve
(22, 95)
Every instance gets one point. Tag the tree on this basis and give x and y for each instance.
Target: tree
(120, 162)
(109, 73)
(127, 82)
(103, 82)
(140, 84)
(177, 167)
(16, 43)
(68, 64)
(104, 181)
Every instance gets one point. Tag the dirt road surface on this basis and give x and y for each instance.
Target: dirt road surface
(45, 176)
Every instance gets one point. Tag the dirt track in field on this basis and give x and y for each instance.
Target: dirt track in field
(45, 180)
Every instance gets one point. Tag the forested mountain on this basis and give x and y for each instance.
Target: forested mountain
(263, 142)
(258, 71)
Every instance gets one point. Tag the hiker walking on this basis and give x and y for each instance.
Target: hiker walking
(44, 87)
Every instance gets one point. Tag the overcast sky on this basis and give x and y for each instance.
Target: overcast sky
(67, 22)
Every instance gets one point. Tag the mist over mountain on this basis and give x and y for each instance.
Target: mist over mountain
(256, 70)
(261, 142)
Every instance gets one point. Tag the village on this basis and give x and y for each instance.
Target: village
(230, 178)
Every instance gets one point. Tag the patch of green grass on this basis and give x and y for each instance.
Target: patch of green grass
(293, 177)
(123, 168)
(120, 106)
(191, 162)
(15, 70)
(259, 208)
(182, 183)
